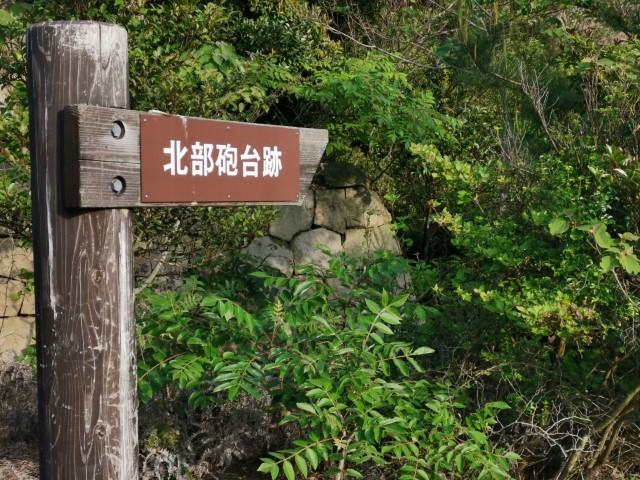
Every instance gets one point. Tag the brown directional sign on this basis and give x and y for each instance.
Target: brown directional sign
(116, 158)
(193, 160)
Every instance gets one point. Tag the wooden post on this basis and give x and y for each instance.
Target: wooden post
(83, 267)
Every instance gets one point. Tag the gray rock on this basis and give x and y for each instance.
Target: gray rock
(273, 253)
(14, 258)
(340, 175)
(364, 209)
(330, 205)
(305, 251)
(362, 241)
(13, 293)
(293, 219)
(17, 333)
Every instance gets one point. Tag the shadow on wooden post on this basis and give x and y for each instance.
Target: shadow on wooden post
(83, 267)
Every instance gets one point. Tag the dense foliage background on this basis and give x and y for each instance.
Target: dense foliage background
(504, 136)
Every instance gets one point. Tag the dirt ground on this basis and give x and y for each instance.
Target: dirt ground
(18, 447)
(18, 460)
(18, 434)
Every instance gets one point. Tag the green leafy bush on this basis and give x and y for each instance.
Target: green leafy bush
(324, 348)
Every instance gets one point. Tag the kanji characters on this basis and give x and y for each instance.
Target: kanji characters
(272, 161)
(202, 159)
(222, 159)
(250, 162)
(227, 161)
(176, 154)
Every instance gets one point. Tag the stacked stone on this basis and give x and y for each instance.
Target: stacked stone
(340, 212)
(17, 306)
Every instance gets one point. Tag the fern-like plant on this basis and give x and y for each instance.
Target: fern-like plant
(324, 348)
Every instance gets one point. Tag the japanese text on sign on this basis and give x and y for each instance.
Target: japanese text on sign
(222, 159)
(187, 160)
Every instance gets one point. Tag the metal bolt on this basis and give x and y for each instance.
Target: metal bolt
(117, 130)
(118, 185)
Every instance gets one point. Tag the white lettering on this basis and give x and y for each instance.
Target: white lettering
(272, 162)
(250, 161)
(227, 161)
(201, 159)
(176, 154)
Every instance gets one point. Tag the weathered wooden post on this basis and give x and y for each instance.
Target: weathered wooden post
(83, 267)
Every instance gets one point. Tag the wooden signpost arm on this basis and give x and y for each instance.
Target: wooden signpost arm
(83, 267)
(102, 159)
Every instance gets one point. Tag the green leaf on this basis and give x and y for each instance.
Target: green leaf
(606, 62)
(302, 287)
(353, 473)
(267, 465)
(385, 298)
(287, 468)
(323, 402)
(302, 465)
(306, 407)
(145, 390)
(384, 329)
(608, 263)
(233, 392)
(601, 236)
(477, 437)
(312, 457)
(630, 263)
(422, 351)
(512, 456)
(499, 405)
(5, 17)
(372, 306)
(315, 393)
(251, 391)
(400, 300)
(402, 366)
(558, 226)
(390, 317)
(629, 236)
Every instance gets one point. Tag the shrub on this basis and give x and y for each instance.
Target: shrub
(323, 347)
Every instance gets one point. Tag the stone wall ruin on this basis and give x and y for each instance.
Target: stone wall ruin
(340, 212)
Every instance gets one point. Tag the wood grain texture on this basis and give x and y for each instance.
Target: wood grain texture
(83, 267)
(94, 157)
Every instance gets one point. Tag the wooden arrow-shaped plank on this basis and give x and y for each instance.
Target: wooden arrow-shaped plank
(117, 158)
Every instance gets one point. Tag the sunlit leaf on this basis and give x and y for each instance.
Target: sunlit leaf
(287, 468)
(558, 226)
